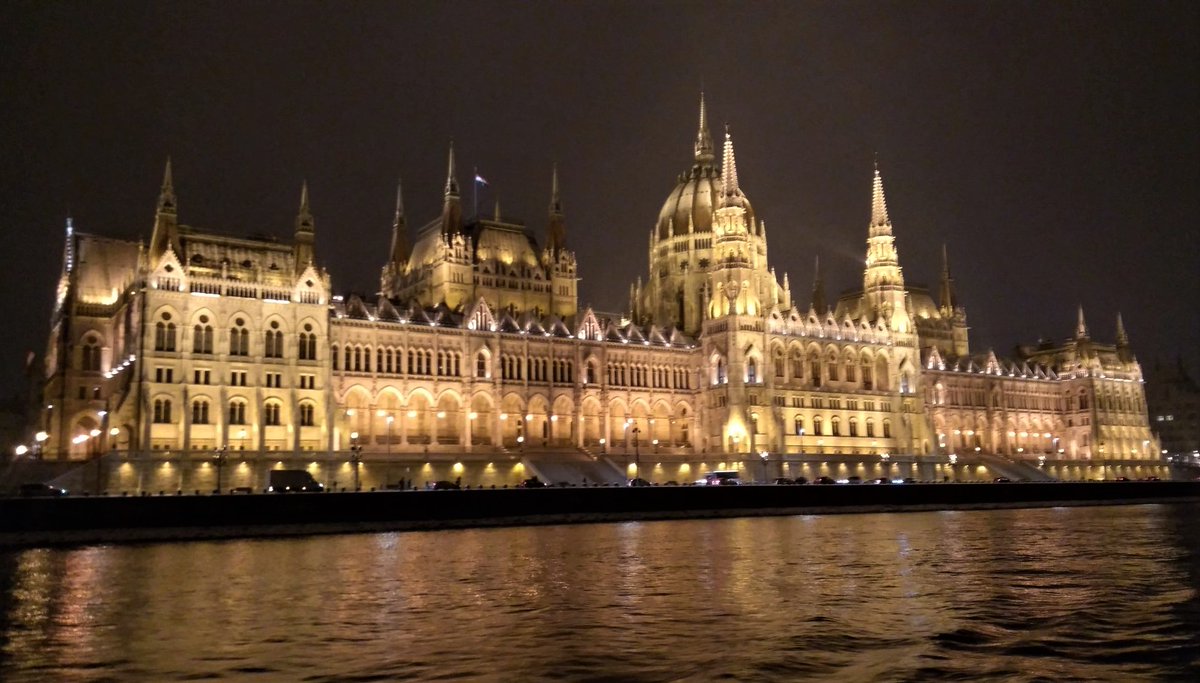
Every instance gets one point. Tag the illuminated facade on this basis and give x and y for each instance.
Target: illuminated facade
(475, 347)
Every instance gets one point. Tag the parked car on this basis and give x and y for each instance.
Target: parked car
(824, 481)
(721, 478)
(41, 491)
(1001, 480)
(289, 481)
(880, 480)
(533, 483)
(854, 480)
(784, 481)
(638, 482)
(444, 485)
(909, 480)
(801, 481)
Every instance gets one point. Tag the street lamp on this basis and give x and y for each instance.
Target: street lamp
(355, 456)
(219, 457)
(637, 455)
(38, 440)
(764, 455)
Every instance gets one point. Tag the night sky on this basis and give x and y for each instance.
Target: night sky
(1052, 146)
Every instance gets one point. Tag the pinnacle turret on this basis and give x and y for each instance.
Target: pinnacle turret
(165, 234)
(166, 197)
(879, 214)
(451, 189)
(451, 208)
(731, 194)
(1081, 329)
(304, 219)
(398, 255)
(818, 291)
(1122, 337)
(704, 143)
(556, 231)
(302, 247)
(946, 293)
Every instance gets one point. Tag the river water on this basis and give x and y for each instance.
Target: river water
(1065, 594)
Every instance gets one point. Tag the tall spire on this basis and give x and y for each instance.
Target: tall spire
(879, 213)
(1122, 337)
(1081, 330)
(818, 291)
(451, 208)
(302, 246)
(304, 219)
(166, 230)
(166, 197)
(399, 251)
(731, 194)
(496, 208)
(451, 178)
(947, 302)
(704, 143)
(556, 232)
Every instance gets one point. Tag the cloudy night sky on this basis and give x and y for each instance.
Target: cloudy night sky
(1052, 146)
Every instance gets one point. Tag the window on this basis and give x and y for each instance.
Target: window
(308, 381)
(870, 428)
(91, 355)
(271, 414)
(835, 427)
(273, 341)
(200, 412)
(590, 374)
(164, 334)
(866, 376)
(237, 378)
(307, 346)
(237, 412)
(306, 415)
(799, 426)
(202, 336)
(850, 371)
(752, 371)
(887, 429)
(202, 377)
(239, 339)
(833, 370)
(274, 380)
(817, 426)
(779, 365)
(721, 379)
(162, 411)
(815, 372)
(853, 427)
(164, 375)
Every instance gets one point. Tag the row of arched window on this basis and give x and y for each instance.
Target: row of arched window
(272, 412)
(650, 376)
(166, 333)
(393, 361)
(835, 427)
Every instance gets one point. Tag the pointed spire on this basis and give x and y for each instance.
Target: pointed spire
(399, 252)
(947, 302)
(704, 144)
(496, 210)
(818, 292)
(879, 213)
(166, 197)
(304, 219)
(556, 232)
(1081, 330)
(1122, 337)
(451, 189)
(731, 195)
(555, 201)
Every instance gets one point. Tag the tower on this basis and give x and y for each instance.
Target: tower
(884, 295)
(165, 235)
(302, 247)
(451, 202)
(400, 250)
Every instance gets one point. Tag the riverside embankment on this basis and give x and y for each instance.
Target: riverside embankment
(42, 521)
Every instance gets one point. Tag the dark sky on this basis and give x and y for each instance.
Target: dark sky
(1052, 146)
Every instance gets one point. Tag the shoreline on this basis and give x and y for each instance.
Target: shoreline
(34, 522)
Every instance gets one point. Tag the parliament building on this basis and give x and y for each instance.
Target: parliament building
(475, 362)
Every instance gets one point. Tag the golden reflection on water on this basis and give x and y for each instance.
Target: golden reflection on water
(1017, 595)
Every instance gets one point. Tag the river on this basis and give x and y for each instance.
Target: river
(1095, 594)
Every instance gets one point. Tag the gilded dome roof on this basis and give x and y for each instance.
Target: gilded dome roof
(697, 195)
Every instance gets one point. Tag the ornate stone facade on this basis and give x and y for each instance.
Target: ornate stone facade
(475, 348)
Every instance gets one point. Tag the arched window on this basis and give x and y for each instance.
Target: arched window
(797, 365)
(200, 412)
(904, 386)
(835, 425)
(481, 365)
(271, 413)
(306, 346)
(853, 427)
(850, 370)
(202, 336)
(589, 376)
(779, 364)
(870, 428)
(239, 339)
(1083, 400)
(273, 341)
(817, 426)
(237, 412)
(721, 379)
(752, 371)
(866, 374)
(887, 429)
(833, 369)
(90, 358)
(162, 410)
(798, 425)
(335, 357)
(164, 334)
(307, 413)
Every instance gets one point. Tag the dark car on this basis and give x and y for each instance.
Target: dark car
(532, 483)
(444, 485)
(801, 481)
(909, 480)
(784, 481)
(880, 480)
(40, 491)
(638, 482)
(824, 481)
(854, 480)
(1002, 480)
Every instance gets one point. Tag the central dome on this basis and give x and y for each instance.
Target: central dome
(697, 195)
